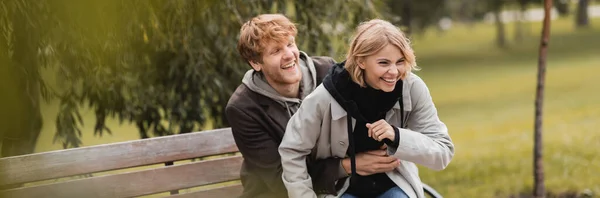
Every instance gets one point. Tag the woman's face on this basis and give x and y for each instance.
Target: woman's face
(384, 68)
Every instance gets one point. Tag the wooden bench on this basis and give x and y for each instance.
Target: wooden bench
(165, 167)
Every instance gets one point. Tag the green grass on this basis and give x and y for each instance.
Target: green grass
(486, 97)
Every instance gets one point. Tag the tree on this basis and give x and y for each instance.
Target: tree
(470, 11)
(562, 7)
(582, 20)
(167, 66)
(520, 17)
(414, 16)
(496, 8)
(538, 166)
(23, 38)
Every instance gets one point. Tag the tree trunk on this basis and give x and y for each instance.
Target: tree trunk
(562, 7)
(520, 19)
(520, 23)
(538, 166)
(500, 33)
(8, 101)
(25, 41)
(582, 19)
(406, 16)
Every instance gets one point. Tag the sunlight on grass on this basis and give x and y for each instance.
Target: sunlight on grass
(489, 110)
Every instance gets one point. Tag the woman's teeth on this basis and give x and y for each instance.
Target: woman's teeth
(389, 80)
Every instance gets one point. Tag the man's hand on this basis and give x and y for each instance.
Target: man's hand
(380, 130)
(371, 162)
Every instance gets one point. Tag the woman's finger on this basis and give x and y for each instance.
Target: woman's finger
(382, 121)
(378, 128)
(381, 134)
(369, 130)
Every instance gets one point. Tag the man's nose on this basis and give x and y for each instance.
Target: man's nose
(288, 54)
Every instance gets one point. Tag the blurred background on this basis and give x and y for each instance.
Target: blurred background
(82, 73)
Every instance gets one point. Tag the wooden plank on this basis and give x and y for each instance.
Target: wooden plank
(138, 183)
(227, 191)
(63, 163)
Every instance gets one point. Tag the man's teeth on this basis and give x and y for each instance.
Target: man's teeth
(289, 65)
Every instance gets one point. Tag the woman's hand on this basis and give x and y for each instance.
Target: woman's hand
(380, 130)
(372, 162)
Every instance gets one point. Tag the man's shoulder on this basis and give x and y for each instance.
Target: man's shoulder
(241, 97)
(322, 60)
(322, 63)
(322, 66)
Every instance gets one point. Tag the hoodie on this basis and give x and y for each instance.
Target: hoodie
(258, 116)
(256, 82)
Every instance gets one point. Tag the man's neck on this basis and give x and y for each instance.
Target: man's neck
(286, 90)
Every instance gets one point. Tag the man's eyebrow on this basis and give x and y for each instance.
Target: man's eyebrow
(273, 49)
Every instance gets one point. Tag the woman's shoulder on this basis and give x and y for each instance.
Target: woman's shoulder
(415, 83)
(320, 94)
(415, 91)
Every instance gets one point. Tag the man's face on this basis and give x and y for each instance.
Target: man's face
(280, 63)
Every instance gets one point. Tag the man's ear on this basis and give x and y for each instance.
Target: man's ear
(255, 65)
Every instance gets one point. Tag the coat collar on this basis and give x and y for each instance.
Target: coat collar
(337, 112)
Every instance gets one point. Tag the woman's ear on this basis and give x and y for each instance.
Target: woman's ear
(361, 63)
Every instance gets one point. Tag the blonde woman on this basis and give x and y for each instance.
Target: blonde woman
(369, 102)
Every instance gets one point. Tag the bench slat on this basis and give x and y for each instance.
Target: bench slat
(63, 163)
(223, 192)
(139, 183)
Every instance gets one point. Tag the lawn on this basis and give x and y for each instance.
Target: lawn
(485, 95)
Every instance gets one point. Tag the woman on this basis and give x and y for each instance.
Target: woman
(371, 100)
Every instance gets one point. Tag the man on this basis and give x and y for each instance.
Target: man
(270, 93)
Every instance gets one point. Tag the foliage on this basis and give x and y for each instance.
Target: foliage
(167, 66)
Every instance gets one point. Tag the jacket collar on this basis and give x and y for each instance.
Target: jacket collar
(337, 112)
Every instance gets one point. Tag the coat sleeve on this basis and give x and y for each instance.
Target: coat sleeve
(260, 151)
(426, 141)
(257, 147)
(300, 138)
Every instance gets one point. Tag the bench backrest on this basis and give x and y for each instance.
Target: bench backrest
(40, 172)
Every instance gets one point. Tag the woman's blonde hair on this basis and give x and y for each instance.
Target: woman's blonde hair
(369, 38)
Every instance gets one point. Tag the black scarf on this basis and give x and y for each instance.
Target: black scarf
(366, 105)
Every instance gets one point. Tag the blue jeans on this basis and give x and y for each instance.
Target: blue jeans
(394, 192)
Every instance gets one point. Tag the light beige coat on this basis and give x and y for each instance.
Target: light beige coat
(319, 130)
